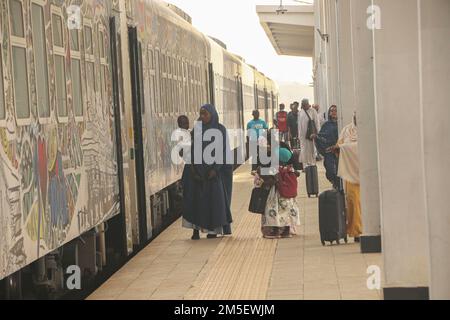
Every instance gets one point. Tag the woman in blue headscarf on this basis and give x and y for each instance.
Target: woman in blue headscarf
(325, 144)
(208, 184)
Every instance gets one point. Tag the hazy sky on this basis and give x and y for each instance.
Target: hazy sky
(236, 23)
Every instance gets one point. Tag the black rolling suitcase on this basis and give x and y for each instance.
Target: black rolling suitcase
(332, 217)
(312, 181)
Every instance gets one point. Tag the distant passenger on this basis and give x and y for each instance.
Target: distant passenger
(255, 135)
(183, 124)
(322, 115)
(207, 188)
(349, 171)
(326, 145)
(322, 119)
(307, 153)
(293, 125)
(281, 121)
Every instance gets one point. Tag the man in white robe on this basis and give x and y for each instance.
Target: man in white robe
(307, 148)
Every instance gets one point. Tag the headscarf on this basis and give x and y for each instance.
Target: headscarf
(199, 134)
(214, 123)
(350, 132)
(284, 155)
(329, 112)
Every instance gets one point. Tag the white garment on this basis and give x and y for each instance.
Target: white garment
(349, 156)
(307, 150)
(349, 162)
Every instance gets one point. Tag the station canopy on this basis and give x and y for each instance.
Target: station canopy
(290, 29)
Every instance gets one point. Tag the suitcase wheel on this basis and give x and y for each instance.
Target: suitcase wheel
(338, 242)
(323, 243)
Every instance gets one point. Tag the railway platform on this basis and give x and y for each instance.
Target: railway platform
(245, 266)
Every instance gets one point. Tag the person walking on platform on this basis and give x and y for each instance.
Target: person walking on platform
(255, 136)
(293, 125)
(326, 145)
(322, 116)
(207, 188)
(282, 215)
(281, 122)
(348, 170)
(309, 126)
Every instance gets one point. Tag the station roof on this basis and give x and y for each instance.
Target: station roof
(290, 30)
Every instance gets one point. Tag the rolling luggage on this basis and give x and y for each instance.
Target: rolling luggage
(332, 218)
(312, 181)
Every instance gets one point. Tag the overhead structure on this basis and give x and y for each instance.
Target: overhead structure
(290, 29)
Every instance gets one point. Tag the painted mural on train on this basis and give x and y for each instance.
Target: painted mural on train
(58, 175)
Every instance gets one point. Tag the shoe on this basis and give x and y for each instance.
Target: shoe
(195, 235)
(211, 236)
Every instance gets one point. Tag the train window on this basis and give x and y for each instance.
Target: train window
(60, 73)
(19, 61)
(57, 30)
(16, 13)
(158, 82)
(76, 85)
(90, 74)
(104, 74)
(74, 40)
(101, 42)
(102, 87)
(40, 57)
(59, 63)
(21, 82)
(77, 92)
(152, 59)
(2, 102)
(88, 40)
(169, 65)
(163, 63)
(174, 67)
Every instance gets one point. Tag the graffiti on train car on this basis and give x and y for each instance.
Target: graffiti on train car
(58, 178)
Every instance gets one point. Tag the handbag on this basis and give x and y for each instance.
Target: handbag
(258, 200)
(312, 129)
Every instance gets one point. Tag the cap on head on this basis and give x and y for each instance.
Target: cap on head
(305, 102)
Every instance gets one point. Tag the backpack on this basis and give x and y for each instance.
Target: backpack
(287, 182)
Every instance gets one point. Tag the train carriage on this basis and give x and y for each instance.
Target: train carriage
(90, 91)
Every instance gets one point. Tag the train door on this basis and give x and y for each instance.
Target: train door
(211, 84)
(122, 239)
(137, 107)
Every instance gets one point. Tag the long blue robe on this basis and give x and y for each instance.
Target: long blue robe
(207, 202)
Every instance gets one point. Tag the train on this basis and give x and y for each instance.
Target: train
(90, 95)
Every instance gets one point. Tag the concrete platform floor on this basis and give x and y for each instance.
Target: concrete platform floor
(246, 266)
